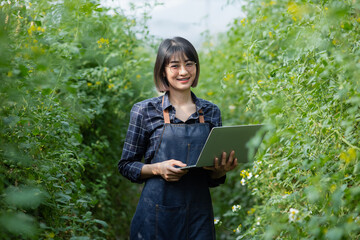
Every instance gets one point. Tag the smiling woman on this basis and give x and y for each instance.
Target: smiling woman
(173, 53)
(169, 131)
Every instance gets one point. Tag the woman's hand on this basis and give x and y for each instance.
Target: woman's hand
(169, 172)
(166, 169)
(221, 167)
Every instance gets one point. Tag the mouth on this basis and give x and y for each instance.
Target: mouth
(183, 80)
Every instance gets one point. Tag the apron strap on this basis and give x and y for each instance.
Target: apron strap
(167, 116)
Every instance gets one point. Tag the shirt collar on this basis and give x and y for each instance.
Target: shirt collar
(167, 103)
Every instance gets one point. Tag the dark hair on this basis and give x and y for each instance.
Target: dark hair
(168, 48)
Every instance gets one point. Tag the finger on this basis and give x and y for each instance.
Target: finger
(233, 165)
(223, 159)
(232, 154)
(231, 159)
(216, 163)
(178, 163)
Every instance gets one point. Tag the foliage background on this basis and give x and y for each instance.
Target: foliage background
(293, 65)
(70, 73)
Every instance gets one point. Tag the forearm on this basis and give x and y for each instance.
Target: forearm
(149, 170)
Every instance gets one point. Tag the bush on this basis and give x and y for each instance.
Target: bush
(293, 65)
(70, 73)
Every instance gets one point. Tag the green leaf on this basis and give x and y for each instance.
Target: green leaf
(24, 197)
(19, 224)
(334, 234)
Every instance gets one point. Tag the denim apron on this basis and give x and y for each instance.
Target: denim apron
(182, 209)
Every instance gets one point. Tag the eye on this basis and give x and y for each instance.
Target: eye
(190, 64)
(175, 66)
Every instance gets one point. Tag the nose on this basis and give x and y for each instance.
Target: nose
(183, 70)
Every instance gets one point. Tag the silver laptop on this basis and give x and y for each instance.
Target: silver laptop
(243, 139)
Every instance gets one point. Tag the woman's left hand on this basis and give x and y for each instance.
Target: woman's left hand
(221, 167)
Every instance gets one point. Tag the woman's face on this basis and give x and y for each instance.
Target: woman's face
(180, 73)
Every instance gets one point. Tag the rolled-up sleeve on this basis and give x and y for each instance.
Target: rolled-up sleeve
(130, 164)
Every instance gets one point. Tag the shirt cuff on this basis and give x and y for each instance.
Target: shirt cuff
(135, 172)
(216, 182)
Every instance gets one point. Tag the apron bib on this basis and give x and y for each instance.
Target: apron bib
(182, 209)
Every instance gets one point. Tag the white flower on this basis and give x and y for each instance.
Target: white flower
(293, 215)
(258, 221)
(249, 175)
(238, 229)
(256, 176)
(243, 182)
(216, 221)
(236, 208)
(232, 107)
(294, 211)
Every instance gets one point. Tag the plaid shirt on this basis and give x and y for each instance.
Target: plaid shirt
(145, 128)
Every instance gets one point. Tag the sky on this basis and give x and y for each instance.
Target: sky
(185, 18)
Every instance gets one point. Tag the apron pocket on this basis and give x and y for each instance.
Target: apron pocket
(171, 222)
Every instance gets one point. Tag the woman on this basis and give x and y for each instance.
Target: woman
(169, 132)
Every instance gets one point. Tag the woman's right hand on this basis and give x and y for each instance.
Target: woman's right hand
(166, 169)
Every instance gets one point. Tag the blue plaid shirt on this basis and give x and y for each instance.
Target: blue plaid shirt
(145, 128)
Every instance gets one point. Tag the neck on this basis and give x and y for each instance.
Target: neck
(180, 98)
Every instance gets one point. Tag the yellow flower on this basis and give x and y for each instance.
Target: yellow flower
(342, 25)
(358, 20)
(111, 85)
(294, 18)
(89, 84)
(348, 156)
(293, 8)
(97, 82)
(210, 93)
(352, 153)
(332, 188)
(326, 8)
(228, 76)
(270, 35)
(35, 41)
(32, 28)
(251, 211)
(9, 74)
(105, 69)
(102, 41)
(138, 76)
(50, 235)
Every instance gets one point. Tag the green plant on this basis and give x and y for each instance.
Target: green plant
(293, 65)
(70, 73)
